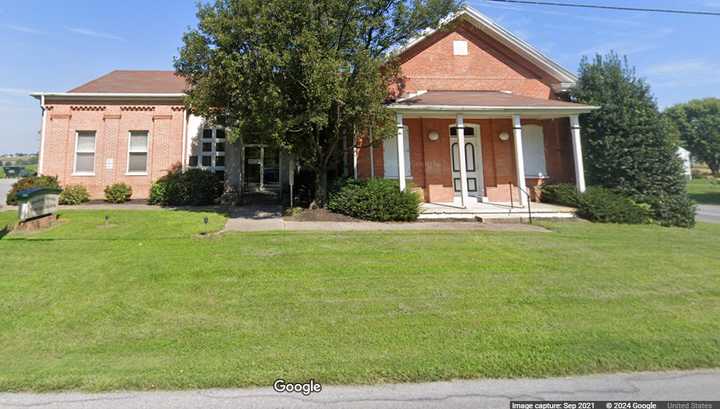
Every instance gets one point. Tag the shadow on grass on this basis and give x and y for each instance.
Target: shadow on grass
(712, 198)
(4, 232)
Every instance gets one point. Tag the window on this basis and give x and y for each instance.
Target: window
(85, 153)
(534, 150)
(460, 48)
(211, 153)
(138, 152)
(390, 157)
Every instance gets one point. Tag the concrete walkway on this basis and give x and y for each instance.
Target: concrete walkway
(660, 386)
(708, 213)
(269, 218)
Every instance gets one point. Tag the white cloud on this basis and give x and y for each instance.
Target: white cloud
(634, 44)
(14, 91)
(92, 33)
(689, 73)
(22, 29)
(688, 67)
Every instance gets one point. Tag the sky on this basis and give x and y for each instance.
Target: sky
(58, 45)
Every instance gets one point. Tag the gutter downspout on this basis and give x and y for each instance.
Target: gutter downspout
(42, 135)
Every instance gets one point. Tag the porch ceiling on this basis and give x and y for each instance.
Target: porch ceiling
(485, 103)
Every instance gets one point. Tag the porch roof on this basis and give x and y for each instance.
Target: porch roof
(485, 103)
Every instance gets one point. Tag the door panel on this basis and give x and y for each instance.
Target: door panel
(473, 166)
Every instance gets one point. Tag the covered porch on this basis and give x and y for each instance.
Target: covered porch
(480, 152)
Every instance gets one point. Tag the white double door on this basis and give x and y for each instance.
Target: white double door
(473, 162)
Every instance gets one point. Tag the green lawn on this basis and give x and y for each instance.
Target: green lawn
(148, 303)
(705, 191)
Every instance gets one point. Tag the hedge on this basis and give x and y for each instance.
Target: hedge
(375, 199)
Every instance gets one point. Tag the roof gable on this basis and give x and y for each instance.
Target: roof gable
(561, 77)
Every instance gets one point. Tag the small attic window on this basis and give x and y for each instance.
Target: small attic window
(460, 48)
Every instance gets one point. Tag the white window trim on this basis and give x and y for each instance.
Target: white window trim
(77, 139)
(147, 152)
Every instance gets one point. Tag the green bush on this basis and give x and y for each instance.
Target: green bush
(192, 187)
(74, 195)
(118, 193)
(30, 182)
(158, 193)
(563, 194)
(673, 210)
(375, 199)
(603, 205)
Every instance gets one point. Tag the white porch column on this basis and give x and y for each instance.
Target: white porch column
(519, 159)
(372, 155)
(400, 150)
(464, 197)
(577, 153)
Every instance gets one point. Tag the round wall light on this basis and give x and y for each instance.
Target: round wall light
(433, 135)
(504, 136)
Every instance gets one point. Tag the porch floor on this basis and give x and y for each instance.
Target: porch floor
(494, 211)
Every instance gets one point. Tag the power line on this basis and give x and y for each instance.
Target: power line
(620, 8)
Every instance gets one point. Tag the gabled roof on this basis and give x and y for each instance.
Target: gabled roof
(565, 78)
(135, 82)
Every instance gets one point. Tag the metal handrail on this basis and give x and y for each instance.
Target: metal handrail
(527, 194)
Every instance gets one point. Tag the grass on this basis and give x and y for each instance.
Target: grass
(705, 190)
(148, 304)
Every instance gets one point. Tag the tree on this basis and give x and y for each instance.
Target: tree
(627, 144)
(305, 75)
(698, 126)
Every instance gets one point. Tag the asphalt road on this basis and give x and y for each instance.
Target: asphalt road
(708, 213)
(5, 185)
(660, 386)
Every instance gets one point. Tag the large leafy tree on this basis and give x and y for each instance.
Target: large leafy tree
(308, 75)
(698, 126)
(628, 145)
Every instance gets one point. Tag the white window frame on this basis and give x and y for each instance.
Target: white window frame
(147, 153)
(77, 140)
(408, 159)
(213, 154)
(530, 159)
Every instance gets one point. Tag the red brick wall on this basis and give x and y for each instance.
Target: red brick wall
(112, 124)
(489, 66)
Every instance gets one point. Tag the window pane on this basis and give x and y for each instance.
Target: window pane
(86, 142)
(469, 157)
(138, 141)
(206, 161)
(220, 133)
(207, 133)
(207, 147)
(137, 162)
(85, 163)
(220, 147)
(534, 150)
(220, 161)
(193, 161)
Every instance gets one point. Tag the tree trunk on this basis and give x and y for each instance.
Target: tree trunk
(321, 189)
